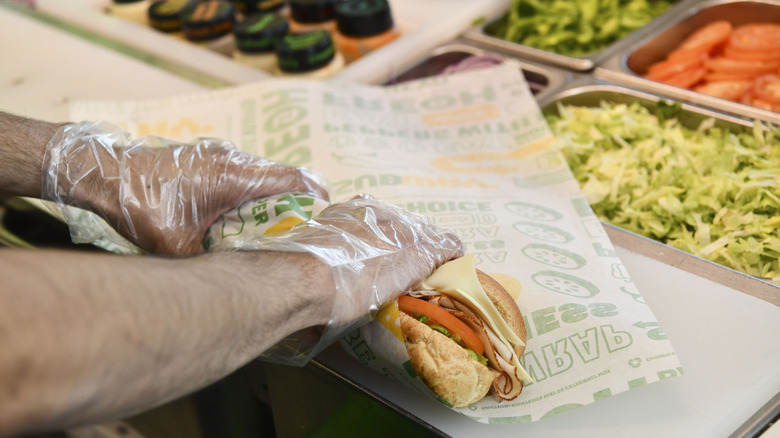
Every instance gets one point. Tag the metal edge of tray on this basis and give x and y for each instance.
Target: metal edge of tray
(615, 68)
(414, 62)
(478, 35)
(756, 287)
(556, 77)
(757, 424)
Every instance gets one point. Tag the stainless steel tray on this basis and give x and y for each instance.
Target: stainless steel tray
(542, 79)
(627, 66)
(589, 91)
(479, 35)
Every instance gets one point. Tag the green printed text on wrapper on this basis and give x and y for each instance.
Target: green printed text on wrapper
(261, 217)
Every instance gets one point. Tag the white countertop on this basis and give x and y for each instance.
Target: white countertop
(727, 342)
(47, 68)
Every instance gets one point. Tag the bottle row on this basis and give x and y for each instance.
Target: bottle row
(304, 38)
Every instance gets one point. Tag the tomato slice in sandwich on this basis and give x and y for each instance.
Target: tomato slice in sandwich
(442, 317)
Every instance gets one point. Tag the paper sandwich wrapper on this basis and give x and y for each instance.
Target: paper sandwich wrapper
(380, 345)
(261, 217)
(473, 153)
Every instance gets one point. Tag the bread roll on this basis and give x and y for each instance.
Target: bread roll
(445, 366)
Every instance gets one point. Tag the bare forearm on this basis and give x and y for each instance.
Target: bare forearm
(22, 145)
(84, 325)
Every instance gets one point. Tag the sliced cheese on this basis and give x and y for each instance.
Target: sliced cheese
(458, 279)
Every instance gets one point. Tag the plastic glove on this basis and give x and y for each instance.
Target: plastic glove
(376, 251)
(159, 194)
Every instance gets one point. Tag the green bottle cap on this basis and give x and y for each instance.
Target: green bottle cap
(166, 15)
(361, 18)
(259, 32)
(209, 20)
(304, 52)
(312, 11)
(248, 7)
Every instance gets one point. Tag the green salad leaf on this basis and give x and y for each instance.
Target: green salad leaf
(574, 28)
(711, 191)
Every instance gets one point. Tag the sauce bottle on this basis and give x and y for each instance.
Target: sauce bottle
(256, 38)
(131, 10)
(166, 15)
(310, 55)
(210, 25)
(249, 7)
(363, 26)
(308, 15)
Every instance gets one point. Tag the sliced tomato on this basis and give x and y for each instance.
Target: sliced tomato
(758, 103)
(767, 88)
(730, 65)
(687, 78)
(710, 35)
(731, 90)
(756, 37)
(733, 52)
(747, 98)
(729, 76)
(683, 54)
(665, 69)
(442, 317)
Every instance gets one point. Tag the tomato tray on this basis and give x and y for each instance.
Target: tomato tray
(630, 66)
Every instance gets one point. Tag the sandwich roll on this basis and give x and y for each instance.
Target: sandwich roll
(444, 365)
(464, 334)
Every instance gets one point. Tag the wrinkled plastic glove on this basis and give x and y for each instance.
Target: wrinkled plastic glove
(159, 194)
(375, 250)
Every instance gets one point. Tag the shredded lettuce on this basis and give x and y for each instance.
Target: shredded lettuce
(476, 356)
(711, 191)
(422, 318)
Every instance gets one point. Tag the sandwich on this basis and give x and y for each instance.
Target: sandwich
(464, 335)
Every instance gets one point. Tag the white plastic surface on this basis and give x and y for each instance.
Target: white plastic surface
(90, 15)
(726, 341)
(51, 67)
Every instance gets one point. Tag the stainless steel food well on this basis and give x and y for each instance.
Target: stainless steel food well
(590, 92)
(627, 66)
(542, 79)
(480, 35)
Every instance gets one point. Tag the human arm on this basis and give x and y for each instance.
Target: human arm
(88, 337)
(160, 194)
(22, 146)
(76, 326)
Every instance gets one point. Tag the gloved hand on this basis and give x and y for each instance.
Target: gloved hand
(157, 193)
(376, 251)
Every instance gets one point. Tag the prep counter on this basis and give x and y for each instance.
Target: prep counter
(723, 324)
(713, 329)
